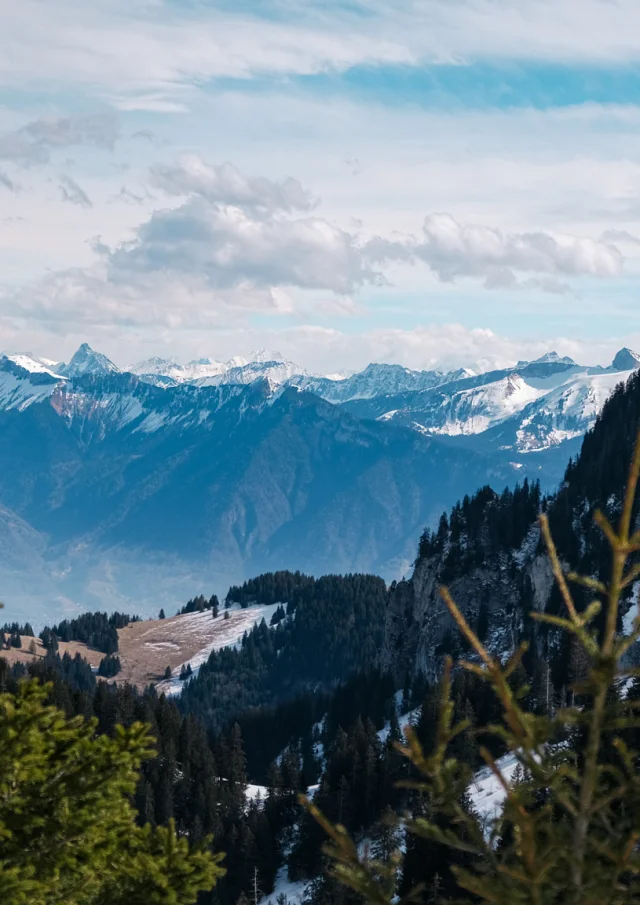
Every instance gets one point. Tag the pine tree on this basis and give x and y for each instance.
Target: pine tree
(67, 825)
(161, 614)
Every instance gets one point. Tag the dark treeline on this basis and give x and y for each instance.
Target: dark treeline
(272, 587)
(200, 604)
(11, 632)
(482, 524)
(96, 630)
(109, 666)
(335, 630)
(14, 628)
(199, 778)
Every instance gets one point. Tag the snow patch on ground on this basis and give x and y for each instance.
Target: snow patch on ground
(253, 791)
(228, 633)
(406, 719)
(632, 612)
(294, 892)
(487, 793)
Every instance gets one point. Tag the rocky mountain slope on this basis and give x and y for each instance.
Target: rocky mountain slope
(488, 551)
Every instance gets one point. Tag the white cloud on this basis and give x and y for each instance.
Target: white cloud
(240, 245)
(452, 249)
(150, 57)
(619, 235)
(226, 247)
(34, 142)
(225, 184)
(73, 193)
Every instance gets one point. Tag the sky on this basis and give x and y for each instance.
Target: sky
(451, 182)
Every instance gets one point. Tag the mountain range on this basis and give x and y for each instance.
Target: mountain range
(143, 486)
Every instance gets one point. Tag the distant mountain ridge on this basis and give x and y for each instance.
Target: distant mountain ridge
(119, 488)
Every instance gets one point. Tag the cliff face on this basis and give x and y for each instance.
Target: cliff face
(494, 598)
(488, 552)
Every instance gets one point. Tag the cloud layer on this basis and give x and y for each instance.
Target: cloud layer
(150, 56)
(232, 244)
(328, 167)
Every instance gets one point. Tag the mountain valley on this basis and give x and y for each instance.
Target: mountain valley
(120, 488)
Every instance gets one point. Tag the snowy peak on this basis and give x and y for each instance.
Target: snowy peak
(210, 372)
(87, 361)
(154, 365)
(266, 355)
(548, 358)
(32, 364)
(554, 358)
(626, 360)
(276, 371)
(158, 368)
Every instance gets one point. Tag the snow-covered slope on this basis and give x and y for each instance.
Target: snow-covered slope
(125, 401)
(475, 410)
(32, 364)
(23, 381)
(566, 411)
(535, 408)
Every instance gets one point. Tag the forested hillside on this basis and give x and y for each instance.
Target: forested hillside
(327, 629)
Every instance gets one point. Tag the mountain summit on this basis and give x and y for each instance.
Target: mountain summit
(87, 361)
(626, 360)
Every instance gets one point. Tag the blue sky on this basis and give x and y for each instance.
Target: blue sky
(439, 180)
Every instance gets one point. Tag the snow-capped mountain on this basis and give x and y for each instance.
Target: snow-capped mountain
(548, 357)
(626, 360)
(87, 361)
(277, 371)
(32, 364)
(376, 380)
(167, 371)
(540, 404)
(467, 411)
(537, 404)
(209, 372)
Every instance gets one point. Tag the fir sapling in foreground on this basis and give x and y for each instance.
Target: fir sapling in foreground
(569, 831)
(68, 829)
